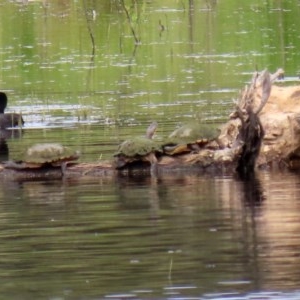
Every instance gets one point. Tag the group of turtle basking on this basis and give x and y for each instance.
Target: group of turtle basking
(185, 139)
(188, 138)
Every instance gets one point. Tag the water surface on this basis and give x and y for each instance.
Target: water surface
(176, 237)
(90, 74)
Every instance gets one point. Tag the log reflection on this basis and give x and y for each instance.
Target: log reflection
(252, 190)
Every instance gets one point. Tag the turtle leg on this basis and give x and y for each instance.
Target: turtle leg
(64, 167)
(153, 160)
(13, 165)
(195, 148)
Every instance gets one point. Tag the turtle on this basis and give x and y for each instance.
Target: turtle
(189, 138)
(142, 148)
(44, 155)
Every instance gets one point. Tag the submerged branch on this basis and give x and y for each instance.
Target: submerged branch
(89, 29)
(137, 40)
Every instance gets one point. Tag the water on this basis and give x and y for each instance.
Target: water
(184, 235)
(179, 237)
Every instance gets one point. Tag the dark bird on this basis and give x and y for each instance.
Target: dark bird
(9, 119)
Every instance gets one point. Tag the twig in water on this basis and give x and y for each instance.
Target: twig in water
(89, 28)
(170, 269)
(137, 40)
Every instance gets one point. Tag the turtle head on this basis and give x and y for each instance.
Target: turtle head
(120, 161)
(151, 129)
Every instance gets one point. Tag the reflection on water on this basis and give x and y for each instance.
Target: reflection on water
(3, 150)
(6, 134)
(253, 191)
(178, 236)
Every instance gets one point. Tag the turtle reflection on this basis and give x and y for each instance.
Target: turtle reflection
(140, 192)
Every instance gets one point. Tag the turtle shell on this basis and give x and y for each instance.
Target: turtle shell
(48, 153)
(136, 149)
(189, 137)
(139, 146)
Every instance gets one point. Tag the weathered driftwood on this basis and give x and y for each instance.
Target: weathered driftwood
(280, 120)
(263, 131)
(248, 131)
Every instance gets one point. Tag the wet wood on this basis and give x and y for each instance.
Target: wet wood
(191, 163)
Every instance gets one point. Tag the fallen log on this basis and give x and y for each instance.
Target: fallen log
(184, 164)
(280, 120)
(262, 132)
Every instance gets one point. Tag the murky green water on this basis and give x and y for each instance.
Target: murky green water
(75, 71)
(178, 237)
